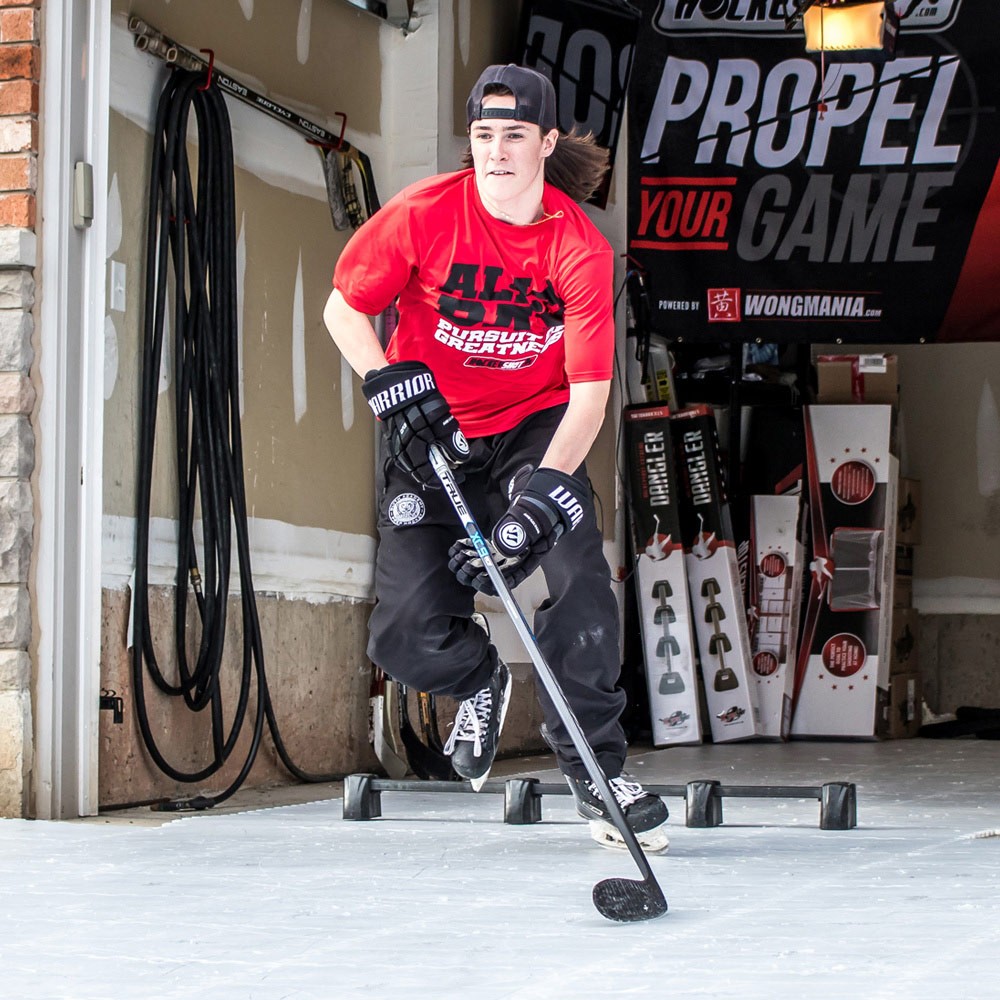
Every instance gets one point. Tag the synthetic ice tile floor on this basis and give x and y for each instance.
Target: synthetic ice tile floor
(440, 899)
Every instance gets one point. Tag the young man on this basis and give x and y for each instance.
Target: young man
(503, 357)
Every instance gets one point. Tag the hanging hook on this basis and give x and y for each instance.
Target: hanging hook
(638, 268)
(339, 144)
(211, 66)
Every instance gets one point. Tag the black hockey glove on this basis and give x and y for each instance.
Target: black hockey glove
(465, 562)
(548, 504)
(414, 415)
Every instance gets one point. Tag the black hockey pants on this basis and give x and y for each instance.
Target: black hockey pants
(421, 633)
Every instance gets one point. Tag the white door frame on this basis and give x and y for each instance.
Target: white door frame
(69, 422)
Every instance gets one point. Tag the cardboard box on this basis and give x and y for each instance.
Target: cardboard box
(660, 577)
(857, 378)
(903, 648)
(904, 560)
(718, 608)
(777, 557)
(902, 591)
(842, 671)
(903, 713)
(908, 520)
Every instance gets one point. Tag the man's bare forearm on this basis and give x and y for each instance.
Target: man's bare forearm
(579, 427)
(353, 334)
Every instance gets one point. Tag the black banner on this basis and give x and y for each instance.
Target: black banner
(775, 195)
(585, 48)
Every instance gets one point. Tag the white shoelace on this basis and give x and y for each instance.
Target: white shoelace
(471, 720)
(626, 792)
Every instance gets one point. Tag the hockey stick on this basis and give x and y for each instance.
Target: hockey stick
(615, 898)
(380, 725)
(425, 761)
(427, 714)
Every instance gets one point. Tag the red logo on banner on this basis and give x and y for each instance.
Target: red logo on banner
(684, 213)
(723, 305)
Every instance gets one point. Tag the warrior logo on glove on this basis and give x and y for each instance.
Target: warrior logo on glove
(512, 536)
(545, 504)
(546, 507)
(404, 391)
(571, 507)
(414, 415)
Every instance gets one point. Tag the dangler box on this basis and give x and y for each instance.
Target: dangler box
(842, 670)
(777, 555)
(718, 608)
(661, 582)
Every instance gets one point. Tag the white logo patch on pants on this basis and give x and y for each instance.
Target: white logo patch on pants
(405, 509)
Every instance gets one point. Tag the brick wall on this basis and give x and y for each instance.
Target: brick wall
(19, 77)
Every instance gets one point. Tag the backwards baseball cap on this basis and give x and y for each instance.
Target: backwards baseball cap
(533, 92)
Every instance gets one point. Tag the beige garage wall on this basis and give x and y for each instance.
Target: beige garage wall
(307, 460)
(307, 433)
(308, 436)
(951, 442)
(950, 395)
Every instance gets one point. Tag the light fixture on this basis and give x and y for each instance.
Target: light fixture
(396, 12)
(863, 28)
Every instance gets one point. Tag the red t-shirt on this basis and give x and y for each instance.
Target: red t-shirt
(505, 316)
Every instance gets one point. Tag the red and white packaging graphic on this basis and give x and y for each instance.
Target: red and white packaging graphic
(660, 578)
(777, 556)
(718, 609)
(842, 670)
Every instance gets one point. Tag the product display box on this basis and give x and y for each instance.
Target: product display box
(908, 521)
(908, 529)
(857, 378)
(903, 648)
(842, 671)
(660, 577)
(902, 716)
(904, 560)
(777, 557)
(902, 592)
(718, 607)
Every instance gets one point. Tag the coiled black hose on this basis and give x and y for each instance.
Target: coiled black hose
(191, 243)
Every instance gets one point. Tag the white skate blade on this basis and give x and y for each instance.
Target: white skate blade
(477, 783)
(607, 835)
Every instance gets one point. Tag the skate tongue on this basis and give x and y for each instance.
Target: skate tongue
(627, 900)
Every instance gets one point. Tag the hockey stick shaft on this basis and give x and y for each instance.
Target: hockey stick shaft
(542, 668)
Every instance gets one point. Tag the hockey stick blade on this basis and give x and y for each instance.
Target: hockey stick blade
(627, 900)
(427, 713)
(379, 726)
(425, 762)
(617, 899)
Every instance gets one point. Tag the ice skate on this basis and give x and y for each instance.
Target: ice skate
(646, 813)
(476, 733)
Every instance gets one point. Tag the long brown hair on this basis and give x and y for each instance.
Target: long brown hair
(577, 165)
